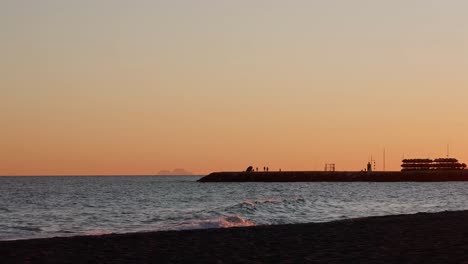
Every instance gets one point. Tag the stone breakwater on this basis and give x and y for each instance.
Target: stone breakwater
(338, 176)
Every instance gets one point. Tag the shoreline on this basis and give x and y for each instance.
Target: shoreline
(422, 237)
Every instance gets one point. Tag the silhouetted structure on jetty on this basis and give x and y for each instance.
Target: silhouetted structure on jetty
(429, 164)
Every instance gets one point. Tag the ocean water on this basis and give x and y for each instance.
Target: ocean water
(34, 207)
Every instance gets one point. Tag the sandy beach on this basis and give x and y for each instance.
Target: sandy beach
(419, 238)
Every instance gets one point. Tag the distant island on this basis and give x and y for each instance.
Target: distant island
(175, 172)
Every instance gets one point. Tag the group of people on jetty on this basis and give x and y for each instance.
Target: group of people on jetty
(251, 169)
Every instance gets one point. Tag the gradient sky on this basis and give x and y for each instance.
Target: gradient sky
(134, 87)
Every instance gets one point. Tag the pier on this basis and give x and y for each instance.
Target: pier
(339, 176)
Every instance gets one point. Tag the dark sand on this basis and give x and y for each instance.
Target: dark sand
(419, 238)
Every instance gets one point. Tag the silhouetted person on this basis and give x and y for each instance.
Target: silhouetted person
(256, 169)
(264, 168)
(267, 169)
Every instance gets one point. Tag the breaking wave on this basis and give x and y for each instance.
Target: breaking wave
(238, 214)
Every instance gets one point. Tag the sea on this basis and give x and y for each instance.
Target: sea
(39, 207)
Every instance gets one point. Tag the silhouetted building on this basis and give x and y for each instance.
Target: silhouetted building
(429, 164)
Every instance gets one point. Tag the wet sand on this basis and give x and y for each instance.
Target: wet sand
(419, 238)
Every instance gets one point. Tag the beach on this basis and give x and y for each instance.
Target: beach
(417, 238)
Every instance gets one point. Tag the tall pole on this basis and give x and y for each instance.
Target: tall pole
(384, 159)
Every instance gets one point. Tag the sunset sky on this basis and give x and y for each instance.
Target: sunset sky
(95, 87)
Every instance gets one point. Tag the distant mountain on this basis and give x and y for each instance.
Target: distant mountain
(164, 172)
(175, 172)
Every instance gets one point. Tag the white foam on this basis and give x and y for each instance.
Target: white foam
(223, 222)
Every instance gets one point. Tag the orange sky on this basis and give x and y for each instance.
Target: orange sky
(118, 87)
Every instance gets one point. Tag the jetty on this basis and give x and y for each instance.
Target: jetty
(412, 170)
(338, 176)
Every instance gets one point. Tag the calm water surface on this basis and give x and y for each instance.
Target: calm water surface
(32, 207)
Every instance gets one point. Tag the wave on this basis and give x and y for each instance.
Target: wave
(28, 228)
(222, 222)
(275, 201)
(4, 209)
(261, 201)
(254, 204)
(152, 220)
(64, 232)
(96, 232)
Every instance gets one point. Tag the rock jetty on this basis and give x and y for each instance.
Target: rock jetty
(338, 176)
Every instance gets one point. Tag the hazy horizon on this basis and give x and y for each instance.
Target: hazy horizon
(118, 87)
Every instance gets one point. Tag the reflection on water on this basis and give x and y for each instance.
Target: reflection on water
(63, 206)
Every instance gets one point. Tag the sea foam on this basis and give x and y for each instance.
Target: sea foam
(222, 222)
